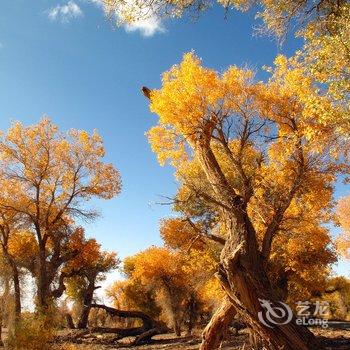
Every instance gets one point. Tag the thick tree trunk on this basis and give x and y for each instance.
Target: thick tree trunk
(1, 320)
(173, 308)
(17, 291)
(84, 317)
(177, 327)
(242, 272)
(145, 337)
(70, 322)
(246, 283)
(88, 298)
(216, 329)
(147, 322)
(42, 282)
(192, 314)
(16, 284)
(255, 341)
(146, 331)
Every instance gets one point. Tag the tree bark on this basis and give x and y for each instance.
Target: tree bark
(192, 313)
(70, 322)
(16, 283)
(242, 272)
(246, 283)
(146, 331)
(17, 291)
(174, 307)
(84, 317)
(42, 283)
(1, 320)
(88, 298)
(177, 327)
(145, 337)
(215, 330)
(147, 321)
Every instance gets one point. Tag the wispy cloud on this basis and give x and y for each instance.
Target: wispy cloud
(147, 27)
(99, 3)
(65, 13)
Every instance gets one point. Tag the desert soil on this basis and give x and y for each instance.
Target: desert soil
(334, 339)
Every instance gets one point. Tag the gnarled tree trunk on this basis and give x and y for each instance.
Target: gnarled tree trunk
(177, 326)
(16, 282)
(1, 320)
(192, 313)
(17, 291)
(88, 298)
(216, 329)
(147, 322)
(143, 334)
(173, 308)
(43, 289)
(242, 272)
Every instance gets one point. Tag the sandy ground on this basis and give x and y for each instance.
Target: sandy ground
(333, 340)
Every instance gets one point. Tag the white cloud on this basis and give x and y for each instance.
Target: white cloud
(65, 13)
(99, 3)
(148, 26)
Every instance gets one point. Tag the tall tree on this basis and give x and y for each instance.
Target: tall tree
(87, 269)
(343, 216)
(161, 270)
(11, 240)
(200, 111)
(131, 294)
(49, 177)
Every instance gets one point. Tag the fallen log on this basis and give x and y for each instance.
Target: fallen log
(147, 321)
(143, 334)
(146, 337)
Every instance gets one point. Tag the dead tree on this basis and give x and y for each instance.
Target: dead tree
(143, 334)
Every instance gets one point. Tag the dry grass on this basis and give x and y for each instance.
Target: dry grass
(31, 334)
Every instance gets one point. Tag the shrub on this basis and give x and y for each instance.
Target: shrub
(31, 333)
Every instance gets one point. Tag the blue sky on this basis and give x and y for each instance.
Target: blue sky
(64, 59)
